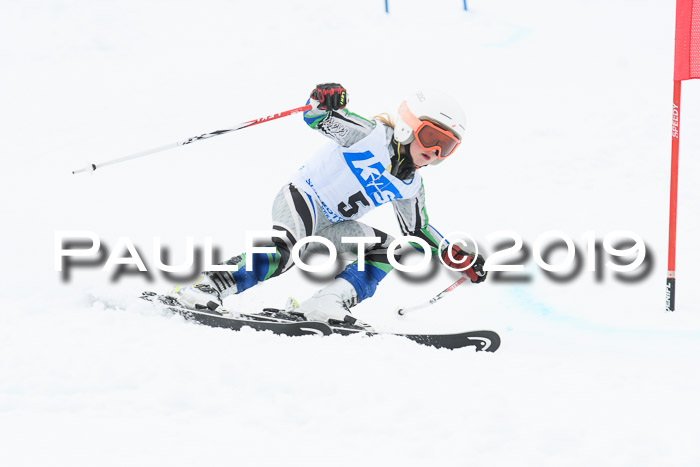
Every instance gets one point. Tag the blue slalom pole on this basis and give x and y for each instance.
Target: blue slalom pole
(386, 5)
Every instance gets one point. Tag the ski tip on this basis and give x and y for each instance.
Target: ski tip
(491, 341)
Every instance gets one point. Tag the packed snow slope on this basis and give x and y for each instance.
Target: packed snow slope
(569, 111)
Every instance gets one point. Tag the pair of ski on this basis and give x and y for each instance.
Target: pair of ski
(294, 324)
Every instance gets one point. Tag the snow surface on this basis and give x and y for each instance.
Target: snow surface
(569, 108)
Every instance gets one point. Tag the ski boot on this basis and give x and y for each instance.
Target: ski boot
(203, 295)
(332, 303)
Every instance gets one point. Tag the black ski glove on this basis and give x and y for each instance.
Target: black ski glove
(460, 259)
(331, 96)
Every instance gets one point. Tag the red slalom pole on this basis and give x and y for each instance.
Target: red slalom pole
(675, 129)
(257, 121)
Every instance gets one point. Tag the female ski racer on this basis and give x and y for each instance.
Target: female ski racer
(372, 162)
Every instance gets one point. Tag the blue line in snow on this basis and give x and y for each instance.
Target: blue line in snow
(533, 304)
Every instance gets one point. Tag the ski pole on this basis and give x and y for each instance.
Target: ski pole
(403, 311)
(93, 167)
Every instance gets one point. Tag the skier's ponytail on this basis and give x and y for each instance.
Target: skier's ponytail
(385, 118)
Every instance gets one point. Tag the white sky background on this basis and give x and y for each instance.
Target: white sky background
(569, 112)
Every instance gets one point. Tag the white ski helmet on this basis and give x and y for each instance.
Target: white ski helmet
(432, 105)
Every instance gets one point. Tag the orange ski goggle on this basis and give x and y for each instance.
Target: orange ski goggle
(429, 136)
